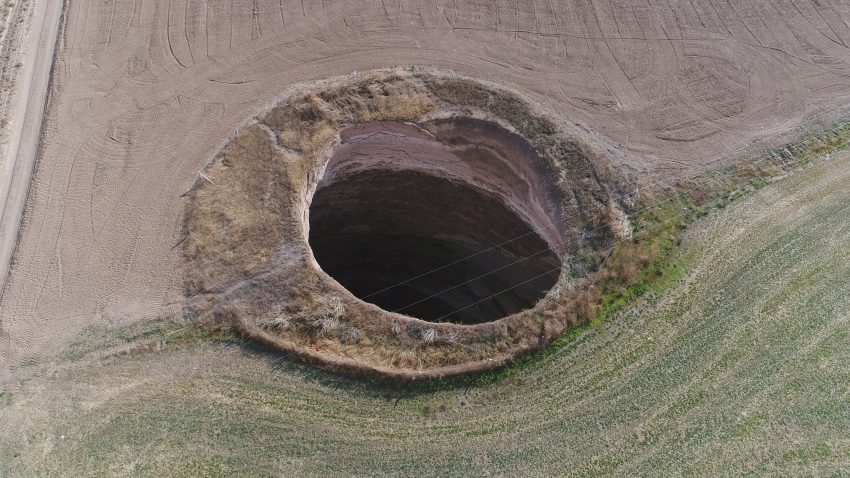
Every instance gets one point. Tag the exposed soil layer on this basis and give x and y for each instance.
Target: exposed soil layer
(444, 221)
(391, 175)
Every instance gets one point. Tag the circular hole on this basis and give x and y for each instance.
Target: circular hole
(451, 220)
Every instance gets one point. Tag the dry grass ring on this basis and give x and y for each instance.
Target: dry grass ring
(455, 203)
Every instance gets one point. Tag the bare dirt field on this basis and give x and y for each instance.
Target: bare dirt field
(143, 95)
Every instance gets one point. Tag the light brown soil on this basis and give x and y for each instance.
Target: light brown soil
(145, 93)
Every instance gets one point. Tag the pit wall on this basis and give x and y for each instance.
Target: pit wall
(467, 150)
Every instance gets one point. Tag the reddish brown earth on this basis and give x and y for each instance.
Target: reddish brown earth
(145, 93)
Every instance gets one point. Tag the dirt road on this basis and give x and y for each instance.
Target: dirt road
(25, 117)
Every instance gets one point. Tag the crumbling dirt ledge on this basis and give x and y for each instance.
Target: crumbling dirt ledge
(249, 263)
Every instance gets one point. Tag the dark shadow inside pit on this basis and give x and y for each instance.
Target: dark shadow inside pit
(434, 248)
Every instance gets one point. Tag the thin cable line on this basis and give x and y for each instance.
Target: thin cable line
(668, 199)
(475, 279)
(457, 261)
(440, 319)
(613, 244)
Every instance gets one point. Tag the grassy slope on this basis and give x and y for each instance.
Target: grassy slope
(742, 366)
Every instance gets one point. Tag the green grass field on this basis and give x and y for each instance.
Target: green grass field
(741, 367)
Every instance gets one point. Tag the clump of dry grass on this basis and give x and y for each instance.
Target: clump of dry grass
(235, 224)
(307, 122)
(380, 98)
(303, 125)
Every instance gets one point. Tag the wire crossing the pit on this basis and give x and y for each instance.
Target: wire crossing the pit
(476, 278)
(610, 248)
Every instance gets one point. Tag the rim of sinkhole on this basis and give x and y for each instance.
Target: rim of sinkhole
(404, 222)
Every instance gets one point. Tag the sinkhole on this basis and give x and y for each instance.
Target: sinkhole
(449, 220)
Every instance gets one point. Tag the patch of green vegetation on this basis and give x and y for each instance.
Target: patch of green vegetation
(759, 183)
(161, 331)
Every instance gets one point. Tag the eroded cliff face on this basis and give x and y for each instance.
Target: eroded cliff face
(430, 219)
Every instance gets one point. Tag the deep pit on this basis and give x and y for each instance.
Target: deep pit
(406, 223)
(448, 221)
